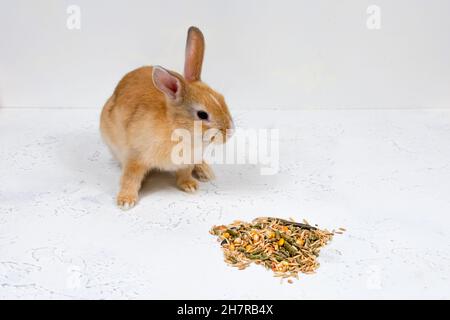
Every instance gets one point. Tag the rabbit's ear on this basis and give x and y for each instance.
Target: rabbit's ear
(195, 49)
(168, 83)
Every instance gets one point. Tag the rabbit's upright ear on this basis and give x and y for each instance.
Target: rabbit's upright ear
(168, 83)
(195, 49)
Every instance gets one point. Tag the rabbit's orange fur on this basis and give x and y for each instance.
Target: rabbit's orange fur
(138, 120)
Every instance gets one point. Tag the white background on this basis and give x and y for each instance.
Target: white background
(284, 54)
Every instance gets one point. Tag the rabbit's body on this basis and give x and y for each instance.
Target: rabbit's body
(147, 106)
(131, 117)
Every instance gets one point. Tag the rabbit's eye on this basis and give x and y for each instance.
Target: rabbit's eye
(202, 115)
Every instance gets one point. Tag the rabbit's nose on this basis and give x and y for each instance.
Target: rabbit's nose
(230, 132)
(232, 127)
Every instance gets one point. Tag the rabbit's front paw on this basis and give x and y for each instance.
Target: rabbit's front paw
(126, 201)
(203, 172)
(190, 185)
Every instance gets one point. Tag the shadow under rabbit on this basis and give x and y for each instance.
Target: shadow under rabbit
(87, 155)
(157, 181)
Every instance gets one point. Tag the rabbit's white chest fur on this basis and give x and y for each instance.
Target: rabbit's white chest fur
(168, 159)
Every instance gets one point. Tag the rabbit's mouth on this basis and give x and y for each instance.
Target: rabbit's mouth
(219, 138)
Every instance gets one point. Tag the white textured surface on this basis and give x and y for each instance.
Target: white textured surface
(384, 175)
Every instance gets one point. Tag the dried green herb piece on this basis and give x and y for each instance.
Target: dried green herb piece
(233, 232)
